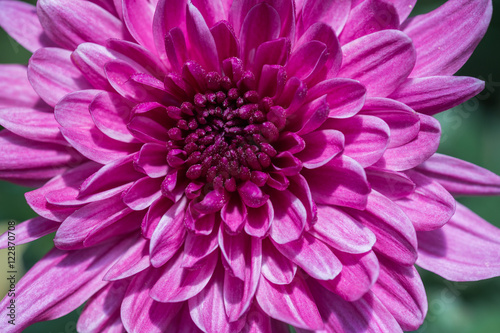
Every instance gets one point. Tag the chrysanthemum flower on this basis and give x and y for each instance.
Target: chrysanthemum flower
(241, 166)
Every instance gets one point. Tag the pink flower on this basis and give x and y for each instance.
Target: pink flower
(241, 166)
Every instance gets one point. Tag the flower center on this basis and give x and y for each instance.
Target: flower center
(224, 134)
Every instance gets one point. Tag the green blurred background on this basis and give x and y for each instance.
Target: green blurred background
(470, 132)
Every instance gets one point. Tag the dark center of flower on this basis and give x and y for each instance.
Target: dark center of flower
(225, 134)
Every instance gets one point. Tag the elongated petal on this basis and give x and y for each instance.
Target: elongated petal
(138, 16)
(291, 303)
(103, 308)
(381, 61)
(78, 225)
(290, 217)
(332, 12)
(367, 314)
(464, 249)
(25, 28)
(460, 177)
(370, 16)
(346, 186)
(154, 316)
(207, 308)
(66, 279)
(169, 235)
(359, 273)
(177, 284)
(320, 147)
(142, 193)
(15, 88)
(421, 148)
(313, 256)
(276, 268)
(53, 75)
(239, 294)
(431, 95)
(396, 237)
(29, 231)
(402, 292)
(458, 26)
(341, 231)
(64, 24)
(134, 260)
(430, 206)
(32, 124)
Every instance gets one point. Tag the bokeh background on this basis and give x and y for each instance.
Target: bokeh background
(471, 132)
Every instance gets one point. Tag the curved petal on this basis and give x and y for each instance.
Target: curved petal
(15, 88)
(138, 16)
(464, 249)
(457, 28)
(372, 60)
(64, 24)
(460, 177)
(332, 12)
(25, 28)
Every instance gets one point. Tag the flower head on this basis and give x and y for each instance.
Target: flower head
(241, 166)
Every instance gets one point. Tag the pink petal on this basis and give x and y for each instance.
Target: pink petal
(396, 238)
(142, 193)
(458, 26)
(25, 29)
(416, 151)
(66, 279)
(332, 12)
(198, 247)
(72, 110)
(290, 217)
(313, 256)
(169, 235)
(207, 308)
(347, 185)
(261, 24)
(94, 145)
(168, 14)
(366, 137)
(430, 206)
(110, 113)
(434, 94)
(370, 58)
(32, 124)
(320, 147)
(345, 97)
(73, 231)
(252, 195)
(464, 249)
(306, 61)
(341, 231)
(403, 7)
(392, 184)
(177, 284)
(259, 322)
(201, 40)
(234, 248)
(225, 40)
(53, 75)
(460, 177)
(29, 231)
(15, 88)
(276, 268)
(259, 220)
(138, 17)
(154, 316)
(401, 290)
(62, 186)
(134, 260)
(367, 314)
(152, 160)
(369, 17)
(64, 24)
(102, 308)
(110, 179)
(28, 161)
(154, 215)
(239, 294)
(359, 273)
(403, 122)
(234, 214)
(291, 303)
(213, 11)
